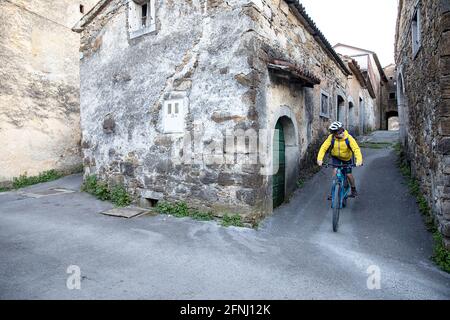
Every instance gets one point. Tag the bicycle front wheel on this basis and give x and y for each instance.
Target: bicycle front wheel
(336, 206)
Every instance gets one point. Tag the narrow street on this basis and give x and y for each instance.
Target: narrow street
(293, 255)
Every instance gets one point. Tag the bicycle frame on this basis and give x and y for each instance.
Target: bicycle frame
(342, 180)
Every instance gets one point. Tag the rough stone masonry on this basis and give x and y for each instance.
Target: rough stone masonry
(423, 78)
(230, 66)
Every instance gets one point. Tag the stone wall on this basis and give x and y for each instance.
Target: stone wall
(39, 86)
(216, 56)
(424, 100)
(198, 52)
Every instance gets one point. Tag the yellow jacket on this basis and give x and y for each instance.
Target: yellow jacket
(340, 149)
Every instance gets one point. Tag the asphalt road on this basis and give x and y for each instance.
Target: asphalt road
(293, 255)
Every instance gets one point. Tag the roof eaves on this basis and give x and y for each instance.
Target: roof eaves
(295, 71)
(353, 47)
(318, 35)
(88, 17)
(375, 57)
(380, 68)
(356, 70)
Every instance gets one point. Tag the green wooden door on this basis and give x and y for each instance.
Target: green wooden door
(279, 160)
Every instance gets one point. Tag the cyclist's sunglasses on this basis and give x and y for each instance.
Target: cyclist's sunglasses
(339, 132)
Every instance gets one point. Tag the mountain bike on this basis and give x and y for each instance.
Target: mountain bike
(340, 191)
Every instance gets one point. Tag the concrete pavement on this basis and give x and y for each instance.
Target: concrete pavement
(293, 255)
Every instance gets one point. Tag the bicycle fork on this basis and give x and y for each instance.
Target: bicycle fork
(343, 193)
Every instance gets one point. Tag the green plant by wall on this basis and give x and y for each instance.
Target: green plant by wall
(234, 220)
(375, 145)
(25, 181)
(120, 196)
(201, 216)
(441, 256)
(117, 195)
(96, 188)
(181, 210)
(301, 183)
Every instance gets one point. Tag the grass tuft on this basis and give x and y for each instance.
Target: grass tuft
(117, 195)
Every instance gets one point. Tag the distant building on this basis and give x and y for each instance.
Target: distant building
(39, 86)
(361, 100)
(371, 116)
(389, 107)
(423, 93)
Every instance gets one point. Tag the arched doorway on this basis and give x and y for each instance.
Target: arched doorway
(392, 121)
(285, 154)
(340, 112)
(279, 164)
(361, 116)
(351, 119)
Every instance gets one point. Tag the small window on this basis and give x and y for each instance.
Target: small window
(144, 13)
(81, 8)
(392, 96)
(324, 104)
(416, 31)
(141, 17)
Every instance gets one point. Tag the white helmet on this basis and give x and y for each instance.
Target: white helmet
(336, 126)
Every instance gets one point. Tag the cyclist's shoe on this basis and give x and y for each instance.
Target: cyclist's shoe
(354, 193)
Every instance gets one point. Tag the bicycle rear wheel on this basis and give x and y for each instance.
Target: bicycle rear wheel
(336, 206)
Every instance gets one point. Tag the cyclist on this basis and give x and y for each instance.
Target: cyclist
(343, 147)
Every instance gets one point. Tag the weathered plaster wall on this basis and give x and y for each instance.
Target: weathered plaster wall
(424, 100)
(39, 87)
(201, 54)
(355, 92)
(216, 58)
(367, 63)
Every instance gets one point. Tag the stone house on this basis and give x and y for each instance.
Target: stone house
(360, 97)
(423, 93)
(180, 99)
(389, 107)
(39, 86)
(371, 115)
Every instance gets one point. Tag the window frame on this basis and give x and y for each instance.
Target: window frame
(178, 107)
(326, 94)
(416, 30)
(135, 27)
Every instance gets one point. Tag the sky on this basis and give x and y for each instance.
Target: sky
(367, 24)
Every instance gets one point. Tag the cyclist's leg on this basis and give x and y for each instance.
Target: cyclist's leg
(351, 180)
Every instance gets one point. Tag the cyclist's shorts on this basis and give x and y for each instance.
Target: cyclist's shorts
(338, 161)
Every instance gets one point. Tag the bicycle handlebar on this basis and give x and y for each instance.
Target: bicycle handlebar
(343, 166)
